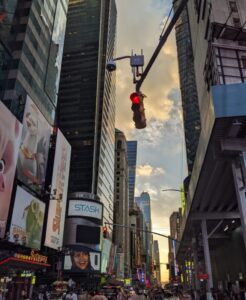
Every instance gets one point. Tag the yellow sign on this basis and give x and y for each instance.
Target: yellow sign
(127, 281)
(182, 198)
(34, 257)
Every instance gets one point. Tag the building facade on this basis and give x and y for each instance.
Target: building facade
(31, 47)
(174, 222)
(156, 262)
(132, 161)
(213, 224)
(191, 113)
(121, 235)
(32, 35)
(86, 114)
(143, 202)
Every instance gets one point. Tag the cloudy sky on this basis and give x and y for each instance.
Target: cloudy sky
(161, 161)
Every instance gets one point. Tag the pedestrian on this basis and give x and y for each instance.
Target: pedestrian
(71, 296)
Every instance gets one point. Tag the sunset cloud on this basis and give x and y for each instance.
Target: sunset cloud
(148, 170)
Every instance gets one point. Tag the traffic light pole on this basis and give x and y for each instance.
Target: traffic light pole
(137, 228)
(162, 41)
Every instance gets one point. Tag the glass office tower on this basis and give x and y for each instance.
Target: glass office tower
(32, 37)
(132, 161)
(191, 114)
(87, 98)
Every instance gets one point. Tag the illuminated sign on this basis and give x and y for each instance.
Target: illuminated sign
(33, 257)
(84, 208)
(57, 206)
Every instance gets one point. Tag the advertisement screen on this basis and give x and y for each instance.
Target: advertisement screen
(33, 155)
(83, 208)
(10, 137)
(81, 261)
(27, 220)
(88, 234)
(57, 206)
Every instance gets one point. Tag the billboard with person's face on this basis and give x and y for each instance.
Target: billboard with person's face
(57, 206)
(27, 220)
(33, 156)
(10, 136)
(79, 261)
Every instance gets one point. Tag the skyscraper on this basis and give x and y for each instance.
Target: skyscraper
(132, 161)
(143, 202)
(32, 40)
(121, 206)
(156, 259)
(191, 114)
(87, 98)
(218, 41)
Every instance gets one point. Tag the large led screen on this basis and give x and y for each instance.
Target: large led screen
(27, 220)
(80, 261)
(10, 137)
(57, 206)
(33, 156)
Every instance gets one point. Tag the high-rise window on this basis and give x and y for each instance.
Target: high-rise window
(236, 22)
(233, 6)
(244, 61)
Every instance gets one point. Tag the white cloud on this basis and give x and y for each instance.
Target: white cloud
(148, 170)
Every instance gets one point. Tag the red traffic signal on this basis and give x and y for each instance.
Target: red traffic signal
(138, 110)
(135, 98)
(105, 232)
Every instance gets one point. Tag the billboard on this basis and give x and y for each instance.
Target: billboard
(34, 150)
(10, 137)
(27, 219)
(82, 261)
(83, 208)
(57, 206)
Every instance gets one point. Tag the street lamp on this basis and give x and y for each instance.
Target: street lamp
(172, 190)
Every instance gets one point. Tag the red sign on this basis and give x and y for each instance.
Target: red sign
(202, 276)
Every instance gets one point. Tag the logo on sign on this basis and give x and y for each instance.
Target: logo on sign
(84, 208)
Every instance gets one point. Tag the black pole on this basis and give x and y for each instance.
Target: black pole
(148, 231)
(162, 41)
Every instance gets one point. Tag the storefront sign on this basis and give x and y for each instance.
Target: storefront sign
(33, 257)
(84, 208)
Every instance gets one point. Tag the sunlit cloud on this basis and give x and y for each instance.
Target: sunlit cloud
(147, 170)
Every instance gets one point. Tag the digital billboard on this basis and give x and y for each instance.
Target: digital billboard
(27, 219)
(83, 208)
(82, 261)
(34, 149)
(57, 206)
(10, 137)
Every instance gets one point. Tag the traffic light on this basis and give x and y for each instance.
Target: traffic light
(138, 110)
(105, 232)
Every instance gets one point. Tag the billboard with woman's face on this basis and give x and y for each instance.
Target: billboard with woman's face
(27, 220)
(33, 156)
(79, 261)
(10, 136)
